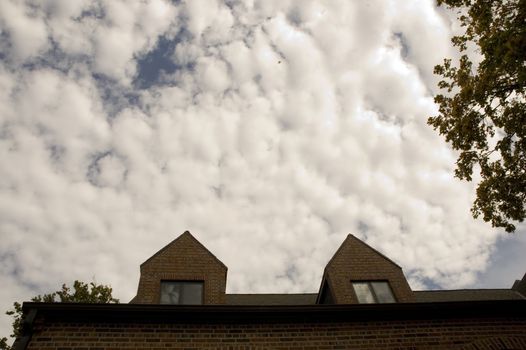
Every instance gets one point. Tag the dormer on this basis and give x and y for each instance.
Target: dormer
(357, 273)
(184, 272)
(520, 286)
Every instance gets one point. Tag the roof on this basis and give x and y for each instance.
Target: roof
(271, 299)
(424, 296)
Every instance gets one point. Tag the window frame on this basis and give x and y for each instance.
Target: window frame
(200, 282)
(369, 284)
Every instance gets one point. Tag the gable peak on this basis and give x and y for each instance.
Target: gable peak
(352, 240)
(184, 236)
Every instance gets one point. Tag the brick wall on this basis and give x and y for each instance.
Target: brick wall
(355, 260)
(184, 259)
(496, 333)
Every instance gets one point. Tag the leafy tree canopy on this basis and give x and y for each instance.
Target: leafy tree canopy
(482, 108)
(81, 293)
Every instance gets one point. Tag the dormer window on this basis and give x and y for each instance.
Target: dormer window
(182, 292)
(372, 292)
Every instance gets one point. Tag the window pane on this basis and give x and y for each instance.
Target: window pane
(181, 293)
(170, 293)
(192, 293)
(383, 292)
(363, 293)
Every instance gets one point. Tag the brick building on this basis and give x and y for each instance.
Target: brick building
(364, 302)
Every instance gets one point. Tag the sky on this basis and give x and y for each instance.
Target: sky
(269, 129)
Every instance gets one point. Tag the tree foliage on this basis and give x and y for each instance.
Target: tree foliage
(81, 293)
(482, 108)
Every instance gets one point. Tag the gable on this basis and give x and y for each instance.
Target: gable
(355, 249)
(186, 248)
(355, 261)
(184, 261)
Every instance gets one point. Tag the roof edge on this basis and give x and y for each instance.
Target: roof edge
(463, 290)
(271, 294)
(275, 314)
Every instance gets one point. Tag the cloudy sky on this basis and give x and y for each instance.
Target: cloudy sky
(269, 129)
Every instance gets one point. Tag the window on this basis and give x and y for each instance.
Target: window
(182, 293)
(370, 292)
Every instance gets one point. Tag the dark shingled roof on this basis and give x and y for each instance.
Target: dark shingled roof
(422, 296)
(426, 296)
(271, 299)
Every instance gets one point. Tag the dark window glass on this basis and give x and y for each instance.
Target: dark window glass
(182, 293)
(373, 292)
(383, 292)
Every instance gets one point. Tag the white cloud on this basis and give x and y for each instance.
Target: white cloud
(212, 75)
(129, 30)
(26, 30)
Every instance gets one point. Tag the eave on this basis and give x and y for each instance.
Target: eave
(146, 313)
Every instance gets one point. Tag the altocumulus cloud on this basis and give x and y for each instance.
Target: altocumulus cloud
(270, 129)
